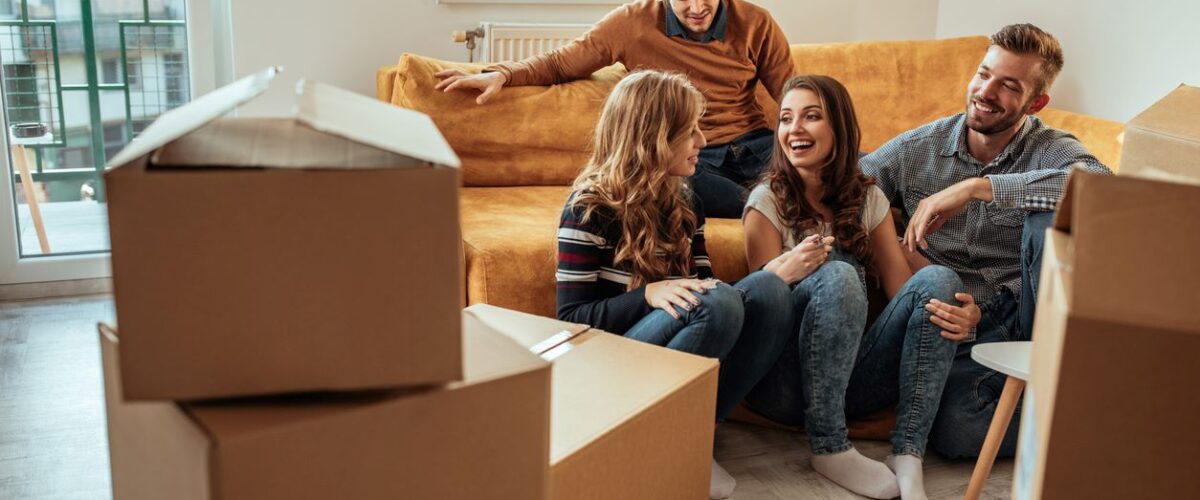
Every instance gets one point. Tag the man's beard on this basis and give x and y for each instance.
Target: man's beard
(1003, 121)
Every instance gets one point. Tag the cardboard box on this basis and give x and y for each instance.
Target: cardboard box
(485, 437)
(1110, 409)
(1163, 142)
(628, 420)
(261, 256)
(536, 333)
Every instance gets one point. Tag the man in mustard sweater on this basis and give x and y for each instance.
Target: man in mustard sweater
(725, 47)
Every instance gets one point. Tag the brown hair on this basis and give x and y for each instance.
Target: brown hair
(845, 185)
(1029, 39)
(645, 115)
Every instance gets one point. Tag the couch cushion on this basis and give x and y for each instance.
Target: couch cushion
(1100, 136)
(523, 136)
(509, 241)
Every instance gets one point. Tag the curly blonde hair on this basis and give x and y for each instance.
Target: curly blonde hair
(647, 114)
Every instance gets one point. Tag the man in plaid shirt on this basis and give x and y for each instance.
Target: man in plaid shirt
(977, 191)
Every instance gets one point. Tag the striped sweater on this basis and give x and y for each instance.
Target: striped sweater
(591, 289)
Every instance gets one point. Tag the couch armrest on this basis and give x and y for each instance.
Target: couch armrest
(385, 82)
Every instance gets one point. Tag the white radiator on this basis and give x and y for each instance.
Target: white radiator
(513, 42)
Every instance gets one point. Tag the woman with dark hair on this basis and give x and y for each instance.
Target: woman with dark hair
(815, 205)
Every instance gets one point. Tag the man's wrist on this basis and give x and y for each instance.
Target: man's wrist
(981, 189)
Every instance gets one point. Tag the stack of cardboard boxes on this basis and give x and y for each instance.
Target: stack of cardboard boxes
(1111, 410)
(288, 292)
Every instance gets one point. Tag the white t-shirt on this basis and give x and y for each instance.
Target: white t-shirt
(763, 200)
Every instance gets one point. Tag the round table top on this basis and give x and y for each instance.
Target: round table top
(1009, 358)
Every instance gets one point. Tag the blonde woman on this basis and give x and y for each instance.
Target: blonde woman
(631, 256)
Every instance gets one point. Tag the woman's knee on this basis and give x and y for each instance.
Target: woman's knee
(938, 282)
(765, 292)
(834, 284)
(724, 301)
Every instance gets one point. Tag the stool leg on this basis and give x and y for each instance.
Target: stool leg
(991, 445)
(18, 155)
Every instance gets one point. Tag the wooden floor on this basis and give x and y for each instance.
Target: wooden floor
(52, 427)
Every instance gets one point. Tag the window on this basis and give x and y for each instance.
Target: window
(108, 70)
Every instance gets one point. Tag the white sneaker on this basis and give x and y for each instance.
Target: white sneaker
(721, 484)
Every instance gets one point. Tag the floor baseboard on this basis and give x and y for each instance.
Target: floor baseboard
(52, 289)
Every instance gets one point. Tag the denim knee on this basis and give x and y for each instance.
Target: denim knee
(835, 281)
(938, 282)
(765, 292)
(722, 306)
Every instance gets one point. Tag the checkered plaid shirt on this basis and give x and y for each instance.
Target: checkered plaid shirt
(983, 242)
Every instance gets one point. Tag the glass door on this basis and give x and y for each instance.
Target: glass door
(80, 79)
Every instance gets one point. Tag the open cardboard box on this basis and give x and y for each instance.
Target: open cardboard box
(485, 437)
(261, 256)
(1110, 410)
(628, 420)
(1163, 142)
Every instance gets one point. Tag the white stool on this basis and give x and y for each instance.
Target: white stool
(1012, 359)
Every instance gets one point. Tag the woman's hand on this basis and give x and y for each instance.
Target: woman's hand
(956, 322)
(667, 294)
(797, 263)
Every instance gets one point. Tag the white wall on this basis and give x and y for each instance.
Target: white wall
(1120, 56)
(343, 43)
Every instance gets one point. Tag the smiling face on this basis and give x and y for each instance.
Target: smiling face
(804, 130)
(1003, 91)
(686, 153)
(696, 15)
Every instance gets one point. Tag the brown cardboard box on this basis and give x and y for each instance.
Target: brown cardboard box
(485, 437)
(628, 420)
(1110, 410)
(1163, 142)
(536, 333)
(261, 256)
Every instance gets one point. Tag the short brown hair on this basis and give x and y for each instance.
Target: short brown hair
(1029, 39)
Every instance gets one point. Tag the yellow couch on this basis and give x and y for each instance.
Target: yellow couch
(521, 150)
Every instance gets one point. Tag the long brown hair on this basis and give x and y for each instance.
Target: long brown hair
(627, 175)
(845, 184)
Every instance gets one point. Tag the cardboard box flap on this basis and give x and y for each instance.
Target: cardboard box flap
(487, 355)
(1173, 116)
(369, 121)
(1116, 224)
(193, 115)
(613, 379)
(536, 333)
(274, 143)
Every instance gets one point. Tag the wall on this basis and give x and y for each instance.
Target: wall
(344, 43)
(1120, 56)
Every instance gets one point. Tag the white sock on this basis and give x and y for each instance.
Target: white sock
(721, 484)
(908, 476)
(858, 474)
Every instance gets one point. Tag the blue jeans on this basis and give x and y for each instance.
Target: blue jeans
(726, 170)
(830, 370)
(739, 325)
(972, 389)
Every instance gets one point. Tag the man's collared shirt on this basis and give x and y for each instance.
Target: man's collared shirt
(983, 242)
(715, 32)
